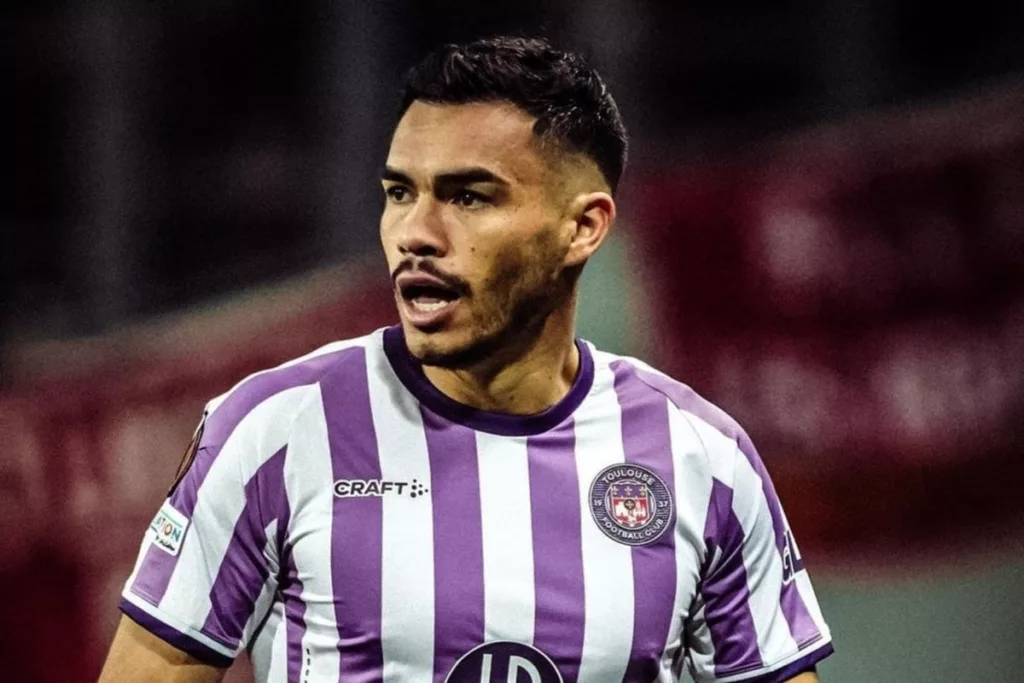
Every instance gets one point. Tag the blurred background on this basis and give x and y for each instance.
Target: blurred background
(822, 231)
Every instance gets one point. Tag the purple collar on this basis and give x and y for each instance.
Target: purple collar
(410, 372)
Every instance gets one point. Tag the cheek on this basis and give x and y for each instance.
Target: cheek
(482, 256)
(520, 268)
(388, 240)
(508, 254)
(391, 256)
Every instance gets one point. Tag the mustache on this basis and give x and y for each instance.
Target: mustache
(454, 282)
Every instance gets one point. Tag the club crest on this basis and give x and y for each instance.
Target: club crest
(631, 504)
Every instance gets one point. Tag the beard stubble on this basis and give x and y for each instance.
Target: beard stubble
(525, 287)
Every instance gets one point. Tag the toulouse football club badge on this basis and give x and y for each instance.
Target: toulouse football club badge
(631, 504)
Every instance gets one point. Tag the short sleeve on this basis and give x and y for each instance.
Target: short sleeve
(208, 566)
(756, 617)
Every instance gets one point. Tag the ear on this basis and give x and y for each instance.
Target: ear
(590, 217)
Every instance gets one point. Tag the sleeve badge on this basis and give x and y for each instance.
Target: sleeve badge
(189, 457)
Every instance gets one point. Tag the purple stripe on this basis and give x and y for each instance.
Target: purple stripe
(154, 574)
(157, 566)
(356, 523)
(646, 442)
(801, 624)
(245, 567)
(174, 637)
(726, 593)
(295, 619)
(458, 541)
(557, 548)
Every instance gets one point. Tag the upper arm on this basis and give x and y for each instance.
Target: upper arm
(755, 617)
(805, 677)
(138, 655)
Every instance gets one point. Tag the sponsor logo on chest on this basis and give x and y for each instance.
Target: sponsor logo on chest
(504, 661)
(363, 488)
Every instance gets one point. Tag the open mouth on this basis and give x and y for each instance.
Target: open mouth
(426, 300)
(430, 297)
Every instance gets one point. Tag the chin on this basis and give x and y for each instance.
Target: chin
(444, 348)
(431, 347)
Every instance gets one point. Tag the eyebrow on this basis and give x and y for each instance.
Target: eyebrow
(461, 176)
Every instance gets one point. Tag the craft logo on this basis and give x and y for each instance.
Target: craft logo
(378, 488)
(631, 504)
(168, 528)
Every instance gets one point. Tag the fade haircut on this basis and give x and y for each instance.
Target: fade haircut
(571, 103)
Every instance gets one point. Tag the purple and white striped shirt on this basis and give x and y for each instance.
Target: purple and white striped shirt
(346, 521)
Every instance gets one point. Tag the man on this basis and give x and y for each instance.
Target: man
(437, 501)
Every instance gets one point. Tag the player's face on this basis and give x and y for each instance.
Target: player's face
(475, 241)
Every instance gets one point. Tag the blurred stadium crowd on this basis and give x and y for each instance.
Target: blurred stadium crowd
(823, 232)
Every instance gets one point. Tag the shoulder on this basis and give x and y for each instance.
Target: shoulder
(275, 395)
(720, 435)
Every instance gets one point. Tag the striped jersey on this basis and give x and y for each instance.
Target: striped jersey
(344, 520)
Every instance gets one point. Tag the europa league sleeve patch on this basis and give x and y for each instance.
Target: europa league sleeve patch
(189, 457)
(168, 529)
(631, 504)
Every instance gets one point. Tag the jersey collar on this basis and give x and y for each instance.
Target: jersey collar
(410, 373)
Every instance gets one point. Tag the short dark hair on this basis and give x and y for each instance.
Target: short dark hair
(571, 103)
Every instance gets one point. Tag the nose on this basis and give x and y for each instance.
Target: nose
(421, 230)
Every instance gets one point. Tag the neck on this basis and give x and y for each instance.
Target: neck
(526, 378)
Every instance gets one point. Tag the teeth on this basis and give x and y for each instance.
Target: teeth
(434, 305)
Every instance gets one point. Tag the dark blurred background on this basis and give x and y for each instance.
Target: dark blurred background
(822, 231)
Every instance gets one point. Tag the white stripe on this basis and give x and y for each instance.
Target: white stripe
(692, 474)
(762, 561)
(220, 501)
(269, 589)
(269, 649)
(308, 476)
(178, 625)
(700, 651)
(278, 669)
(506, 525)
(407, 528)
(607, 564)
(606, 358)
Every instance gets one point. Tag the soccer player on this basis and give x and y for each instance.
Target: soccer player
(475, 495)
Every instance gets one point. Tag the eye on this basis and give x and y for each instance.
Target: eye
(468, 199)
(397, 193)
